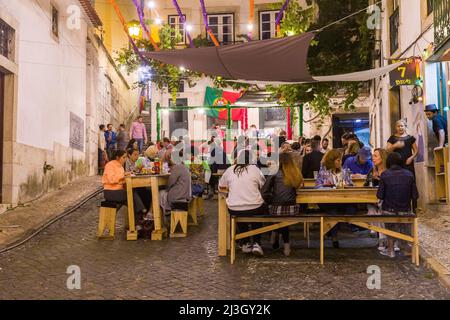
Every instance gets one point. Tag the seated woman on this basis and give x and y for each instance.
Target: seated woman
(379, 158)
(114, 184)
(280, 191)
(132, 157)
(351, 151)
(197, 170)
(131, 167)
(244, 181)
(332, 175)
(132, 144)
(179, 185)
(152, 152)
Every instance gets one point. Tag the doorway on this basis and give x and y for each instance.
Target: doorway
(2, 99)
(178, 119)
(357, 123)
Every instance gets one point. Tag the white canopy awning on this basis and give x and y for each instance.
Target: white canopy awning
(347, 77)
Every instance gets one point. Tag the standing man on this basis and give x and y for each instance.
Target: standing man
(439, 124)
(325, 143)
(312, 161)
(102, 156)
(111, 140)
(122, 138)
(139, 133)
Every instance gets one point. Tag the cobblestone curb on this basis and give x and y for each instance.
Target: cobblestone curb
(431, 263)
(29, 218)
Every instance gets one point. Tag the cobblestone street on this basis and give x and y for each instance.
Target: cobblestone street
(190, 269)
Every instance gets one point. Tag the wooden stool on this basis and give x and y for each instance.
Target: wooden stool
(199, 205)
(107, 220)
(178, 217)
(192, 211)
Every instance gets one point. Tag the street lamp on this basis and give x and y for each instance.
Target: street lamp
(134, 29)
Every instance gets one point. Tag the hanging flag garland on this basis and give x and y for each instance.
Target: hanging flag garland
(205, 20)
(122, 20)
(144, 26)
(280, 15)
(251, 18)
(183, 21)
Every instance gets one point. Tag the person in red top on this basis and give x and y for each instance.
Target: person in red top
(113, 181)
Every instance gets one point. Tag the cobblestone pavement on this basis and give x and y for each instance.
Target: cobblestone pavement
(190, 269)
(33, 215)
(435, 236)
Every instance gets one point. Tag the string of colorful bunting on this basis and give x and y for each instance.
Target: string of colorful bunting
(183, 22)
(251, 18)
(205, 19)
(144, 26)
(280, 15)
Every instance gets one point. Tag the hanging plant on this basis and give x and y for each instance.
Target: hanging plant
(164, 76)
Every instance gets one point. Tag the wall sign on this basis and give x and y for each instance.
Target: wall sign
(406, 74)
(76, 132)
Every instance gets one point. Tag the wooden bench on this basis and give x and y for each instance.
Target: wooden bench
(326, 224)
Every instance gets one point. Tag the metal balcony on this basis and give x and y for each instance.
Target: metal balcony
(441, 10)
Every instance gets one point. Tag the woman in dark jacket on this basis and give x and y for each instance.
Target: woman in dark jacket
(280, 192)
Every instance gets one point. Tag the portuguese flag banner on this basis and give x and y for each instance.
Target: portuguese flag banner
(218, 98)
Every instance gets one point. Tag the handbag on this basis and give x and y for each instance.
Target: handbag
(266, 190)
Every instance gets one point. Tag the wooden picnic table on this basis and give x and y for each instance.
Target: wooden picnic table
(330, 195)
(304, 196)
(312, 182)
(152, 181)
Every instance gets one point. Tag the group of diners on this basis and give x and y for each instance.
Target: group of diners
(179, 187)
(252, 193)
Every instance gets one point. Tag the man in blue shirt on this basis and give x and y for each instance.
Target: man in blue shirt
(361, 163)
(111, 140)
(439, 124)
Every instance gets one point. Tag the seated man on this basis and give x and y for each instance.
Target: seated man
(397, 190)
(361, 164)
(179, 185)
(312, 161)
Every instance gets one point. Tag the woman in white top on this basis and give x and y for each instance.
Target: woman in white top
(244, 181)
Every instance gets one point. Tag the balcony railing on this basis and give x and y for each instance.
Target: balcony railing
(7, 35)
(394, 23)
(441, 21)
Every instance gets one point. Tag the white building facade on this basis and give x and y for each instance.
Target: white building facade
(57, 84)
(408, 30)
(228, 19)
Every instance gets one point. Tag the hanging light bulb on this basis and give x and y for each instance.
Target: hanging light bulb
(151, 4)
(158, 21)
(182, 69)
(250, 27)
(188, 27)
